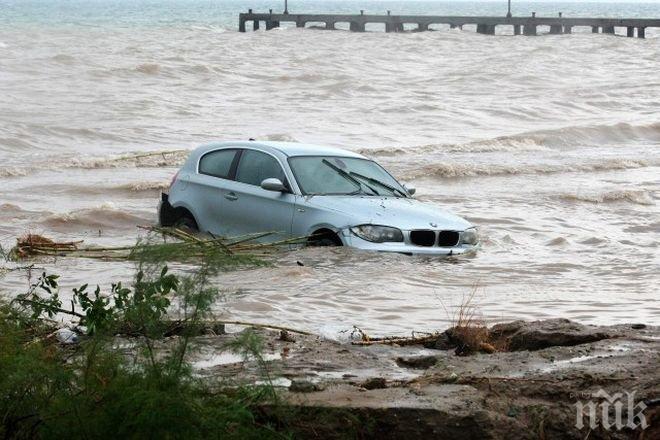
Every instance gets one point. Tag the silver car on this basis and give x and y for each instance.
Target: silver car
(333, 196)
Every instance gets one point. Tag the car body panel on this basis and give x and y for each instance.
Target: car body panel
(248, 209)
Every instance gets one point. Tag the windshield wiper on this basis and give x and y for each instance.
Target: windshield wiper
(378, 182)
(348, 177)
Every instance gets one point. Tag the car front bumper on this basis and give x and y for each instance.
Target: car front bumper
(351, 240)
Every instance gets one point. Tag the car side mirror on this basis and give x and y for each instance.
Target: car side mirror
(273, 184)
(411, 189)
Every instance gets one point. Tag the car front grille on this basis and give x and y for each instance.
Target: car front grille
(428, 238)
(448, 238)
(422, 237)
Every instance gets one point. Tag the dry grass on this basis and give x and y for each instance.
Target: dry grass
(468, 330)
(168, 244)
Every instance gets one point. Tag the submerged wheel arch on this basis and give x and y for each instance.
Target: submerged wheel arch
(324, 237)
(171, 216)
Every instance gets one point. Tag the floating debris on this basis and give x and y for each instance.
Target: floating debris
(164, 243)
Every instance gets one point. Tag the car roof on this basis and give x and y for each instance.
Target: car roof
(289, 149)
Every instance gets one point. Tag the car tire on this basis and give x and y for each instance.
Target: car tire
(186, 222)
(324, 242)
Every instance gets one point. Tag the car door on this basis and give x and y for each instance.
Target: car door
(205, 188)
(248, 208)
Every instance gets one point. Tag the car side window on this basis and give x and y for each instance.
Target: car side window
(255, 166)
(217, 163)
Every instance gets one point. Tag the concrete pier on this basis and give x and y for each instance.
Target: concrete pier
(485, 25)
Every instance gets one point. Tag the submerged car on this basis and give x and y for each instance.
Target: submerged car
(333, 196)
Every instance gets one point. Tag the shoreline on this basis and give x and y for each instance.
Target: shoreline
(411, 391)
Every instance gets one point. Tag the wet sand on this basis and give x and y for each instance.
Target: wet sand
(412, 392)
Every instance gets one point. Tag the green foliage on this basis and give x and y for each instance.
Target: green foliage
(93, 390)
(46, 284)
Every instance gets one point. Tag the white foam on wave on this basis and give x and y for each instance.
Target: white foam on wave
(457, 170)
(539, 140)
(13, 172)
(639, 197)
(105, 215)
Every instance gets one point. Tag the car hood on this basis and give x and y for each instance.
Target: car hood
(390, 211)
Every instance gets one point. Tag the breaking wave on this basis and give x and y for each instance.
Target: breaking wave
(280, 137)
(13, 172)
(144, 186)
(157, 159)
(540, 140)
(106, 215)
(457, 170)
(639, 197)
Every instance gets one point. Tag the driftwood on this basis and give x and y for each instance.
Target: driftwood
(33, 245)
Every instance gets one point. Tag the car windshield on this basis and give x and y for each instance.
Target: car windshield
(331, 175)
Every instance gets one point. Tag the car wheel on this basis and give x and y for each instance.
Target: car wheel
(324, 237)
(186, 222)
(324, 242)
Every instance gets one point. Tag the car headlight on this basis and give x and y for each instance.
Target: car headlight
(377, 234)
(470, 236)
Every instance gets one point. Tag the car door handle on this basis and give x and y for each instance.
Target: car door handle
(231, 196)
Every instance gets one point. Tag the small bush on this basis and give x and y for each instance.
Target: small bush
(91, 390)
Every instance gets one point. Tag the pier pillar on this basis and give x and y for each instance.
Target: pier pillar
(568, 29)
(516, 29)
(241, 25)
(555, 29)
(641, 32)
(272, 24)
(594, 29)
(398, 27)
(255, 25)
(330, 25)
(389, 27)
(300, 24)
(422, 27)
(357, 27)
(608, 29)
(486, 29)
(630, 31)
(529, 29)
(453, 26)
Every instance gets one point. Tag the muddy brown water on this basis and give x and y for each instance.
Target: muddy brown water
(552, 152)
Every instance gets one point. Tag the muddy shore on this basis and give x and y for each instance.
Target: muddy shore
(531, 390)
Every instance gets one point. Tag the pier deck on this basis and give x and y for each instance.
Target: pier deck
(484, 25)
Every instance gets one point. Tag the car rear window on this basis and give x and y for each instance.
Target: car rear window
(255, 166)
(217, 163)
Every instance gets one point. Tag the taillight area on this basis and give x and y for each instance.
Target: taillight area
(174, 179)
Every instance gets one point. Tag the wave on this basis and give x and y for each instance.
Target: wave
(144, 186)
(13, 172)
(155, 159)
(64, 59)
(483, 146)
(148, 68)
(539, 140)
(280, 137)
(457, 170)
(9, 211)
(639, 197)
(103, 216)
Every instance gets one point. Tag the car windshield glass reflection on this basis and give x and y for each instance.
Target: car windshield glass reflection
(329, 175)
